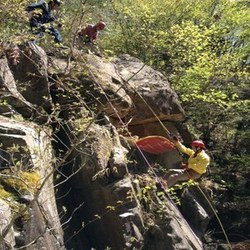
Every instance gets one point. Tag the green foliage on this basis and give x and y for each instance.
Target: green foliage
(142, 27)
(19, 157)
(177, 188)
(22, 182)
(150, 198)
(236, 19)
(14, 19)
(4, 194)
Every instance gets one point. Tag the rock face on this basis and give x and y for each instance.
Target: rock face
(8, 238)
(25, 147)
(69, 128)
(150, 91)
(34, 86)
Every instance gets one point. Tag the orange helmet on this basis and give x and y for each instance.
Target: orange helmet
(100, 25)
(198, 143)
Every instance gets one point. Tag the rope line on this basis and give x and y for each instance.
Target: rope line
(216, 215)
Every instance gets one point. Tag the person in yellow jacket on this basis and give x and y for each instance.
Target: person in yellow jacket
(197, 163)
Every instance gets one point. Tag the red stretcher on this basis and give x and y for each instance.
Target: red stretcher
(155, 144)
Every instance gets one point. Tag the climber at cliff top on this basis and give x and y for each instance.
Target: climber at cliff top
(196, 166)
(90, 32)
(42, 15)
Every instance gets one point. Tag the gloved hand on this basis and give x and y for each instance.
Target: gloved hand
(175, 138)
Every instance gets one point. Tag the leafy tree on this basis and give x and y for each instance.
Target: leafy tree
(13, 19)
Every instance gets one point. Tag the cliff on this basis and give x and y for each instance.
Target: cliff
(70, 176)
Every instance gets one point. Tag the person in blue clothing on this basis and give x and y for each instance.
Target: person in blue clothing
(41, 15)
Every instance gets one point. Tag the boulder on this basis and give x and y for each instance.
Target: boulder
(31, 75)
(149, 90)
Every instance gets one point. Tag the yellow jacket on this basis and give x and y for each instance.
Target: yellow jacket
(199, 163)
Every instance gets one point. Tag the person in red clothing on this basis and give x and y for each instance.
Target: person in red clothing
(90, 32)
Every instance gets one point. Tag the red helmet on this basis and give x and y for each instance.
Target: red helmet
(100, 25)
(198, 143)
